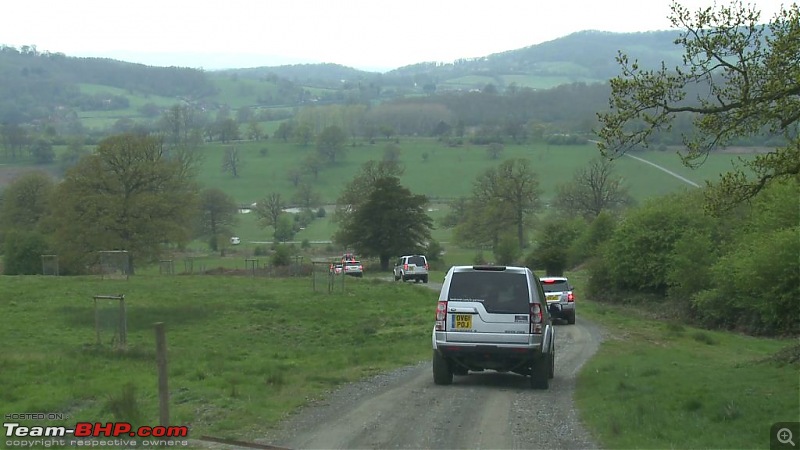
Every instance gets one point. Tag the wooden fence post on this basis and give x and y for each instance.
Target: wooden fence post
(161, 363)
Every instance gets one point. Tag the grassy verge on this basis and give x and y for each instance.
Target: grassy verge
(656, 384)
(243, 351)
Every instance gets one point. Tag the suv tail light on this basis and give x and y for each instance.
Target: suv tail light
(426, 266)
(405, 267)
(570, 297)
(441, 315)
(536, 318)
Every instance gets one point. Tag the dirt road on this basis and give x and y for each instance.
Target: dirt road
(404, 409)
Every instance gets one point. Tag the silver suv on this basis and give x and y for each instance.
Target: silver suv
(493, 317)
(560, 298)
(411, 267)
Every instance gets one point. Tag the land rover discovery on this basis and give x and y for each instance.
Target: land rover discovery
(493, 318)
(411, 267)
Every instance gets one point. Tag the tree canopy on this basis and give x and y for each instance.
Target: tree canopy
(592, 190)
(359, 188)
(128, 195)
(217, 216)
(391, 221)
(503, 200)
(740, 77)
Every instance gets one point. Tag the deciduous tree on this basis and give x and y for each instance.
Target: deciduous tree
(230, 161)
(269, 209)
(26, 201)
(128, 195)
(330, 143)
(503, 198)
(217, 216)
(592, 190)
(359, 188)
(389, 222)
(746, 76)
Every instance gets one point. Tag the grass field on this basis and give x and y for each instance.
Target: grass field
(243, 351)
(436, 170)
(660, 384)
(246, 351)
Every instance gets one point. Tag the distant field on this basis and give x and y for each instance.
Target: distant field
(447, 173)
(431, 168)
(435, 170)
(101, 120)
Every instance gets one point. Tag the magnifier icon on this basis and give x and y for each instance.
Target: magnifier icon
(784, 436)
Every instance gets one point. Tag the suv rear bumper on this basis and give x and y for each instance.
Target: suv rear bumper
(561, 310)
(495, 356)
(518, 359)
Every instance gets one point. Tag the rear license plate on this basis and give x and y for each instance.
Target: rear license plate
(463, 321)
(553, 297)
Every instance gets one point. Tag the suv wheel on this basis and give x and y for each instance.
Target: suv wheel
(442, 374)
(540, 373)
(571, 318)
(552, 363)
(424, 278)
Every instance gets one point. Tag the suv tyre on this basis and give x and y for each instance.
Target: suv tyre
(442, 374)
(540, 372)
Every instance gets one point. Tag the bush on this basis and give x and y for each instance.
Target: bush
(23, 253)
(756, 286)
(639, 251)
(507, 250)
(282, 256)
(553, 239)
(433, 252)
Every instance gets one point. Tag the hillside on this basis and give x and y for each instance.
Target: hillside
(35, 84)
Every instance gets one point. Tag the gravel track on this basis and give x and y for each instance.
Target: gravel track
(484, 410)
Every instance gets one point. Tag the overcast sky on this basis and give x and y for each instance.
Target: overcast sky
(374, 35)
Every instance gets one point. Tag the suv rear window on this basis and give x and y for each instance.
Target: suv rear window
(555, 286)
(498, 292)
(417, 261)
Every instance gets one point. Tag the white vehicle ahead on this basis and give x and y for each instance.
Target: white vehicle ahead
(411, 267)
(560, 298)
(493, 318)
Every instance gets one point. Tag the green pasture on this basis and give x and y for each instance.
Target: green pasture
(436, 170)
(661, 384)
(100, 120)
(243, 351)
(658, 383)
(239, 91)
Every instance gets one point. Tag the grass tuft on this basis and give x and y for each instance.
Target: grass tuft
(651, 372)
(615, 427)
(675, 328)
(124, 406)
(704, 338)
(692, 405)
(728, 412)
